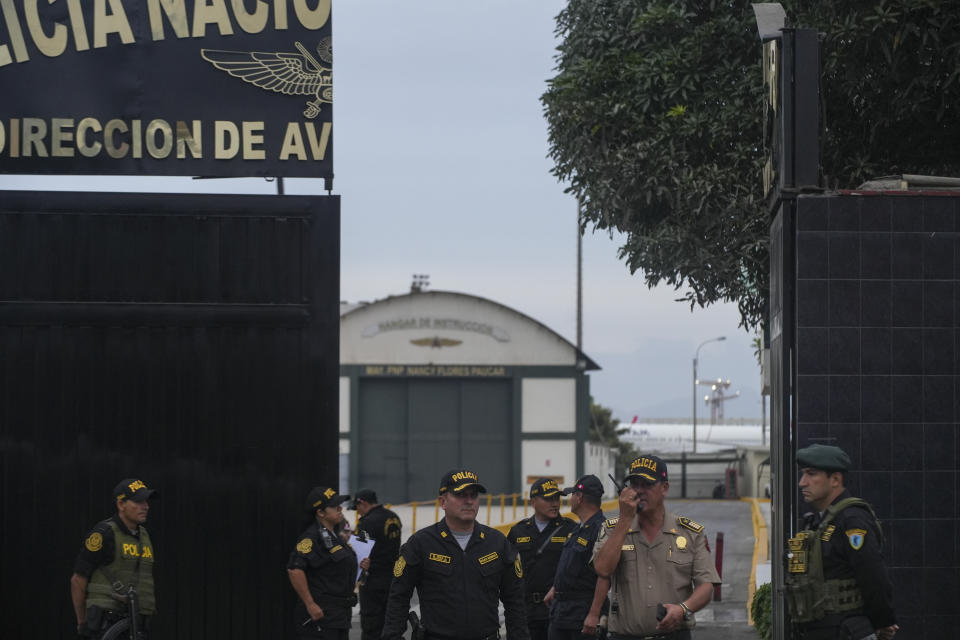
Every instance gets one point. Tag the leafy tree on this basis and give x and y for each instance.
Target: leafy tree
(605, 429)
(655, 120)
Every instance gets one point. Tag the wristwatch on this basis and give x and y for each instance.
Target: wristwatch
(687, 614)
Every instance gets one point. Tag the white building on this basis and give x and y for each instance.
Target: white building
(433, 380)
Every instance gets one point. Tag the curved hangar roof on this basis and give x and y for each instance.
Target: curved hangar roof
(443, 327)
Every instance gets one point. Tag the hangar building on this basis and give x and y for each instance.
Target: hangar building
(432, 380)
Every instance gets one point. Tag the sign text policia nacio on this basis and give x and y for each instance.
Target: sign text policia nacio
(166, 87)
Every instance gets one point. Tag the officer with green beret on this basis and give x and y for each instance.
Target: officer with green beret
(836, 581)
(117, 554)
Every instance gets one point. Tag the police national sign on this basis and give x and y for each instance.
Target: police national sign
(166, 87)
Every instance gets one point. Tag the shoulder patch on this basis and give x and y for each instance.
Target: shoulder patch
(696, 527)
(305, 546)
(398, 567)
(518, 567)
(612, 522)
(94, 542)
(856, 538)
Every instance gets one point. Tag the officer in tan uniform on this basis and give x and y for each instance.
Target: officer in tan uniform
(653, 557)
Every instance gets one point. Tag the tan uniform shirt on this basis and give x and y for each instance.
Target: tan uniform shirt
(663, 571)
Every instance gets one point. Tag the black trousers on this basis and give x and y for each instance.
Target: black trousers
(373, 609)
(326, 634)
(538, 629)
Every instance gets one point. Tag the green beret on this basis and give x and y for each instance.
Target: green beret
(824, 456)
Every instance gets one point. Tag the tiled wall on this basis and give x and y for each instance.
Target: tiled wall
(878, 340)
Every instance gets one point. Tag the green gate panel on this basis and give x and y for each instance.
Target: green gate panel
(413, 430)
(383, 438)
(486, 430)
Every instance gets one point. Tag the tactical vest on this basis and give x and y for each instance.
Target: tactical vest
(808, 596)
(132, 564)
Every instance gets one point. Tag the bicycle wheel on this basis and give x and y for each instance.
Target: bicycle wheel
(119, 629)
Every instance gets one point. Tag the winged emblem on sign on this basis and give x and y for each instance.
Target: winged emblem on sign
(436, 342)
(298, 74)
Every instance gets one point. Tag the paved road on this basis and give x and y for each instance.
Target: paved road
(726, 619)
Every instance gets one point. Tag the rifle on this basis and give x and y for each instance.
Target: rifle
(133, 611)
(417, 632)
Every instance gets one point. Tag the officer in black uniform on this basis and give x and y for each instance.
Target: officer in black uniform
(578, 599)
(323, 571)
(859, 592)
(539, 539)
(383, 527)
(117, 554)
(460, 569)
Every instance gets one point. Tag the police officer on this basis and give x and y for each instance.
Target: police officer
(577, 599)
(117, 554)
(539, 539)
(837, 557)
(323, 570)
(653, 557)
(383, 527)
(460, 569)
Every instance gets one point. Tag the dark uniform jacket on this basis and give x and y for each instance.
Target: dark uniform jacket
(575, 580)
(458, 589)
(540, 553)
(383, 527)
(853, 550)
(331, 569)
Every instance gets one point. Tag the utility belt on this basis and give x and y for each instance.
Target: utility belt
(324, 600)
(574, 595)
(99, 618)
(809, 600)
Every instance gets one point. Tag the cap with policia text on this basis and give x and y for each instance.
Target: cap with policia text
(456, 480)
(323, 497)
(367, 495)
(133, 489)
(544, 488)
(647, 469)
(589, 485)
(823, 456)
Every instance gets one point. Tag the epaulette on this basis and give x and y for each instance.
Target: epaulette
(612, 522)
(696, 527)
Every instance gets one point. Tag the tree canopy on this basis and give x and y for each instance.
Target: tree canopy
(655, 119)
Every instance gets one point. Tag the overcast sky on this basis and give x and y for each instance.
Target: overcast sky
(440, 156)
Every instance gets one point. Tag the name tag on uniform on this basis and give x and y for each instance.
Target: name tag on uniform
(437, 557)
(558, 539)
(628, 547)
(582, 541)
(490, 557)
(523, 539)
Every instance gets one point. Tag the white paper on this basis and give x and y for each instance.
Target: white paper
(362, 549)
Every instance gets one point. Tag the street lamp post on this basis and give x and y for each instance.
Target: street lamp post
(695, 356)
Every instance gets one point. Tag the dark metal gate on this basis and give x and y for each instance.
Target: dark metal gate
(191, 341)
